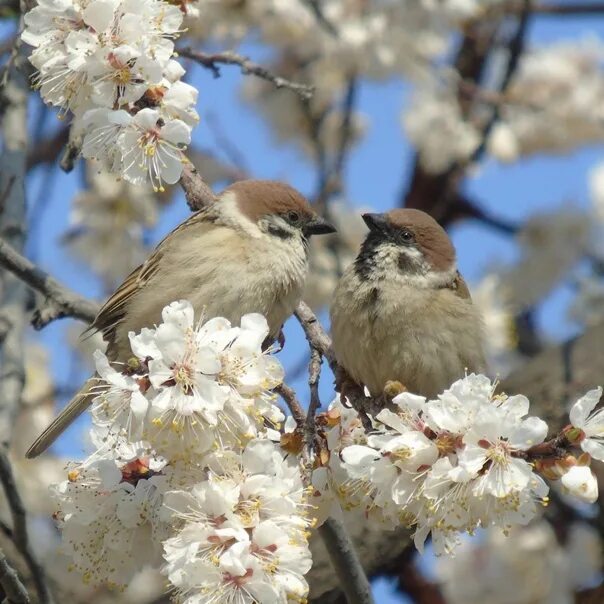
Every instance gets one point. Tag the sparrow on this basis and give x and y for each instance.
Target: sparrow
(402, 312)
(245, 253)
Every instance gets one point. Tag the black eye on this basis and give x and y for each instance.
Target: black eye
(407, 236)
(293, 217)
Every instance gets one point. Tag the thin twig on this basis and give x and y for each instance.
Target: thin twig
(331, 177)
(319, 340)
(20, 536)
(346, 129)
(291, 400)
(14, 590)
(314, 374)
(343, 556)
(248, 67)
(515, 49)
(314, 332)
(59, 300)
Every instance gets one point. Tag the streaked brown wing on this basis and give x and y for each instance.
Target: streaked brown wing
(114, 309)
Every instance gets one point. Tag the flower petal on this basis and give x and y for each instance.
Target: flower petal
(584, 406)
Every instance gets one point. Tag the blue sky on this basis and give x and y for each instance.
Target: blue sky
(375, 176)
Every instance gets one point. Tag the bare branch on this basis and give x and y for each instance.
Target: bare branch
(48, 150)
(72, 151)
(515, 49)
(418, 587)
(213, 60)
(19, 530)
(199, 195)
(315, 334)
(60, 301)
(291, 400)
(11, 584)
(319, 340)
(346, 130)
(314, 373)
(331, 178)
(572, 8)
(14, 298)
(353, 581)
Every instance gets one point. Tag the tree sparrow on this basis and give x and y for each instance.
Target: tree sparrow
(402, 311)
(246, 253)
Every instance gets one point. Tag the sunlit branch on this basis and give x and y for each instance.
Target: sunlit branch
(59, 300)
(213, 61)
(19, 530)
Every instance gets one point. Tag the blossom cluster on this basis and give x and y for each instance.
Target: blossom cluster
(109, 63)
(468, 459)
(542, 568)
(533, 122)
(188, 474)
(192, 474)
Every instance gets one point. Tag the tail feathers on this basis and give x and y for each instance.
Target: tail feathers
(76, 406)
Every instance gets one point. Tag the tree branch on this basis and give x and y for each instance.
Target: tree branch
(572, 8)
(59, 300)
(314, 373)
(14, 297)
(48, 150)
(435, 193)
(11, 584)
(515, 49)
(315, 334)
(213, 60)
(19, 530)
(321, 342)
(291, 400)
(197, 192)
(346, 563)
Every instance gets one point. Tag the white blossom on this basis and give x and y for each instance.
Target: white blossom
(590, 424)
(527, 564)
(580, 482)
(110, 519)
(446, 466)
(116, 55)
(244, 532)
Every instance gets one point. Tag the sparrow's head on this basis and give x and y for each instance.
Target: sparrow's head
(407, 243)
(278, 209)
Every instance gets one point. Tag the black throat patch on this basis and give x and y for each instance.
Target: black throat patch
(367, 262)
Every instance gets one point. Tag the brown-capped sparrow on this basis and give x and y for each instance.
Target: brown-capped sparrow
(402, 312)
(245, 253)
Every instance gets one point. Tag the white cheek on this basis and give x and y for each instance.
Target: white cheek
(232, 216)
(411, 252)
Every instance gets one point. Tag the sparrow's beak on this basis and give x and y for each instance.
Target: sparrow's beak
(318, 226)
(376, 222)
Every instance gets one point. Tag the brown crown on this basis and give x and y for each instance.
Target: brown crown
(430, 236)
(258, 198)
